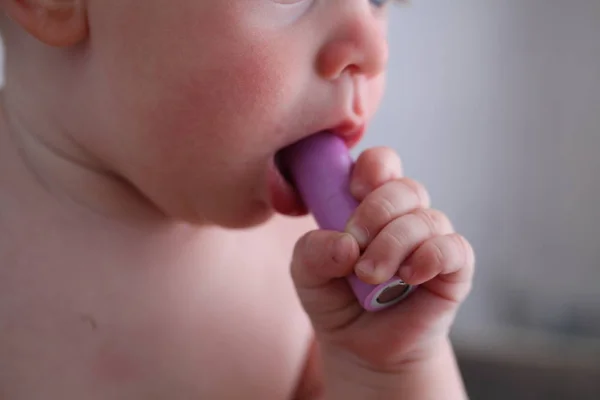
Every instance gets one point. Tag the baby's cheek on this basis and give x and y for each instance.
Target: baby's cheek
(213, 122)
(376, 92)
(233, 104)
(258, 87)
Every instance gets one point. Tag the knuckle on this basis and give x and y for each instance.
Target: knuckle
(385, 207)
(436, 221)
(393, 197)
(416, 189)
(437, 254)
(429, 219)
(378, 209)
(389, 202)
(395, 239)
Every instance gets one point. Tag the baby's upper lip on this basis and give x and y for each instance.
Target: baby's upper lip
(350, 131)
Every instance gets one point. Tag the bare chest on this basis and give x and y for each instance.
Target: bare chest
(96, 316)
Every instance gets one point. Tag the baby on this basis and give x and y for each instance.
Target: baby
(146, 233)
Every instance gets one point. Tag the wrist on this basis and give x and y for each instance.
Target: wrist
(432, 375)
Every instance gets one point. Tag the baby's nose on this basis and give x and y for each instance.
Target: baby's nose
(357, 44)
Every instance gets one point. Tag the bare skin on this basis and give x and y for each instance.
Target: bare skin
(160, 311)
(143, 251)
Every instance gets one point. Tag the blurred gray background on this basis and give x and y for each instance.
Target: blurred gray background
(495, 106)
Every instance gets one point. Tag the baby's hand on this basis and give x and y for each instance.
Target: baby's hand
(392, 232)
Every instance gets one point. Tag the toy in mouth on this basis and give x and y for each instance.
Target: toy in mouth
(319, 169)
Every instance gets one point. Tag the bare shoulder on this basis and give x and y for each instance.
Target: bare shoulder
(123, 320)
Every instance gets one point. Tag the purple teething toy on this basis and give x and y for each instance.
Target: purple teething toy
(320, 168)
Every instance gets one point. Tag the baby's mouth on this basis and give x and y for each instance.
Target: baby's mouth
(349, 132)
(285, 199)
(282, 167)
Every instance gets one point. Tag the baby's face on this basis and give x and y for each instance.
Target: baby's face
(200, 94)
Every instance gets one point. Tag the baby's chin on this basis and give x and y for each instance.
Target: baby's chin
(208, 205)
(250, 214)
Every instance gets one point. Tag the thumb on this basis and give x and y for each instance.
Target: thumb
(320, 261)
(320, 256)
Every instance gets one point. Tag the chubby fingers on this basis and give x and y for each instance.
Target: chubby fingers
(373, 168)
(392, 200)
(449, 258)
(320, 256)
(320, 259)
(397, 241)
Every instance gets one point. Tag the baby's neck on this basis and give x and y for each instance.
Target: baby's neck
(56, 174)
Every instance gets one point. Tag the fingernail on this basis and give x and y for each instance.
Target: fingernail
(365, 268)
(405, 272)
(359, 189)
(361, 235)
(342, 247)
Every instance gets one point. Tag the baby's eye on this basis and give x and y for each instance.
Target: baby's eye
(379, 3)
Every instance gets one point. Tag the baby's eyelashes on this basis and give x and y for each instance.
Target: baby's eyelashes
(380, 3)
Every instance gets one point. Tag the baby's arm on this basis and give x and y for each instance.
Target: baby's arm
(435, 378)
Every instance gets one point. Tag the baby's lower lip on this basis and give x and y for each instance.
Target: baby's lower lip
(353, 138)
